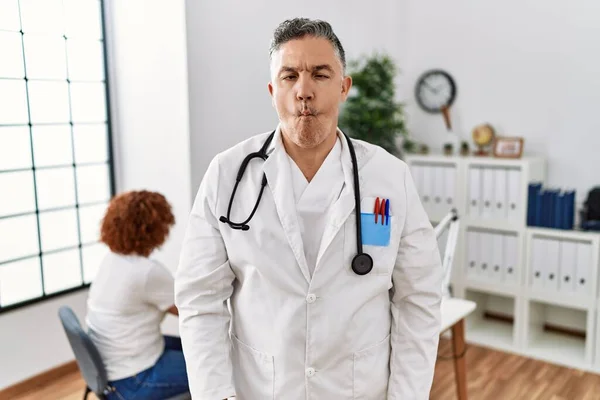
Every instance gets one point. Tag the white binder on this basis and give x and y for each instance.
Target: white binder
(537, 263)
(511, 259)
(450, 187)
(568, 259)
(487, 181)
(485, 255)
(584, 269)
(552, 257)
(417, 175)
(439, 190)
(500, 193)
(514, 193)
(497, 265)
(428, 176)
(475, 192)
(473, 250)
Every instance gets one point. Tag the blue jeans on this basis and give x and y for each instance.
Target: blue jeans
(164, 379)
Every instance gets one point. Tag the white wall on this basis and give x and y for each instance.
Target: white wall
(530, 68)
(149, 84)
(228, 53)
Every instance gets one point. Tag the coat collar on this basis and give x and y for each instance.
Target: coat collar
(280, 183)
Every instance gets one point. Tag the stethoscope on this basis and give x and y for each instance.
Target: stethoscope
(362, 263)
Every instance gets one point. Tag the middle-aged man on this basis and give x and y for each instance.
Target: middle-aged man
(326, 302)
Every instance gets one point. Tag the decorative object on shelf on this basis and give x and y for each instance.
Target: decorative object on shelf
(423, 149)
(508, 147)
(464, 148)
(435, 92)
(590, 213)
(483, 136)
(448, 149)
(550, 207)
(371, 112)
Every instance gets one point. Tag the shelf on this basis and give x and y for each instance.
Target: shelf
(569, 300)
(564, 234)
(491, 332)
(492, 287)
(558, 349)
(472, 160)
(493, 224)
(550, 334)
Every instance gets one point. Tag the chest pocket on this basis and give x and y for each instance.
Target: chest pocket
(379, 238)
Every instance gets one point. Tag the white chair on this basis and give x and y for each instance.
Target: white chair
(454, 310)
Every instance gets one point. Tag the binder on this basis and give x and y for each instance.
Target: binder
(569, 209)
(511, 274)
(583, 269)
(568, 259)
(497, 259)
(533, 190)
(428, 176)
(417, 175)
(514, 194)
(485, 255)
(439, 190)
(549, 211)
(552, 256)
(487, 181)
(473, 248)
(559, 204)
(450, 187)
(500, 193)
(539, 199)
(475, 192)
(537, 262)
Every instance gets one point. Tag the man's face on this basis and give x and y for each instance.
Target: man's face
(307, 86)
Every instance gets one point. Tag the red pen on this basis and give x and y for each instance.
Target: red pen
(376, 211)
(382, 210)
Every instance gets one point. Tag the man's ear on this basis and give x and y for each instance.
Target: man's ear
(270, 86)
(346, 85)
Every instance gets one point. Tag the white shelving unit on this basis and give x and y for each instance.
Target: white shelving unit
(536, 289)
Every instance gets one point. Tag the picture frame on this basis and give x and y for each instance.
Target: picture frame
(508, 147)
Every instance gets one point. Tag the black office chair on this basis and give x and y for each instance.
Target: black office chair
(88, 358)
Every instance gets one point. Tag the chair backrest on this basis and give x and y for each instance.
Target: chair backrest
(452, 223)
(86, 354)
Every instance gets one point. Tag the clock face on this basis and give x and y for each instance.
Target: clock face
(435, 90)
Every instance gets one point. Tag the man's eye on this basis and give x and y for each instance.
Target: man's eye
(321, 76)
(289, 77)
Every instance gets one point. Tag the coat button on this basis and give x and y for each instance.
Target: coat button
(311, 298)
(310, 372)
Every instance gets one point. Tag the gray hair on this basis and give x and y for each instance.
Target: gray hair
(298, 28)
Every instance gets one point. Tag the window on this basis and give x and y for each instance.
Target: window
(56, 171)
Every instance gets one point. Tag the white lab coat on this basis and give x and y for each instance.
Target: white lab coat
(335, 335)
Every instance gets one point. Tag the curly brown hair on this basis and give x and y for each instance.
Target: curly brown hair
(136, 222)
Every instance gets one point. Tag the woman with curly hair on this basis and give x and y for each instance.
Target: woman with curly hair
(129, 298)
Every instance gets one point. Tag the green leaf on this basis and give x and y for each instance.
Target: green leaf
(372, 114)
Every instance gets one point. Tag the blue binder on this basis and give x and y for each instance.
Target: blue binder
(533, 202)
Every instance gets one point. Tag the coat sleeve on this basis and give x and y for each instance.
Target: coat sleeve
(203, 284)
(416, 300)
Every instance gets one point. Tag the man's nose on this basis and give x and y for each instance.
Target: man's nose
(304, 89)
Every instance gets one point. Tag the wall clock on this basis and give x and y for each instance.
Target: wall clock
(435, 92)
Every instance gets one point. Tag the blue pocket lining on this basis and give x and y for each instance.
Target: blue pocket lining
(374, 234)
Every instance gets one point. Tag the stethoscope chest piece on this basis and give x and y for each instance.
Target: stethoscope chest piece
(362, 264)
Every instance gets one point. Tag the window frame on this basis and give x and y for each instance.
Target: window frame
(110, 163)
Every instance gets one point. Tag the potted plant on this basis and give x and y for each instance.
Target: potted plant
(371, 112)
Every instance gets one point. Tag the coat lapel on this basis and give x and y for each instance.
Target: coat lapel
(279, 181)
(345, 205)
